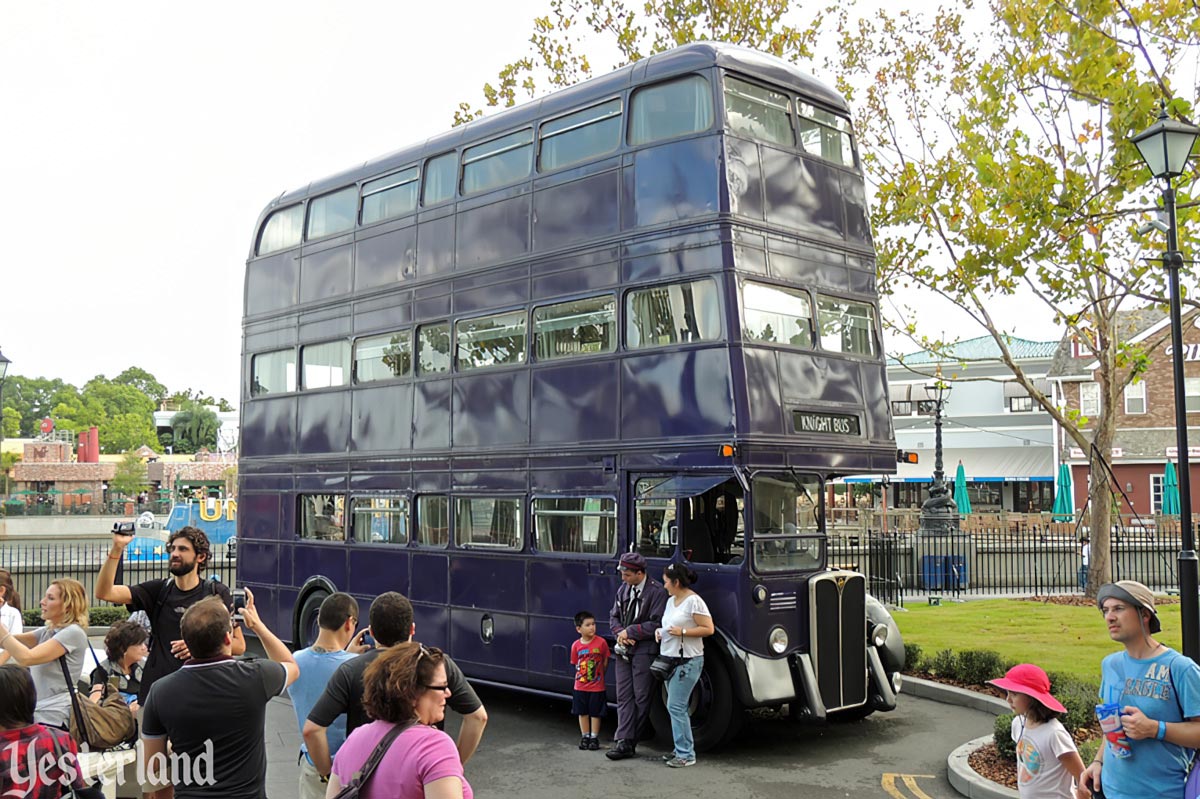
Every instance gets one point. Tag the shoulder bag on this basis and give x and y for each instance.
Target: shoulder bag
(101, 725)
(663, 667)
(361, 776)
(1191, 786)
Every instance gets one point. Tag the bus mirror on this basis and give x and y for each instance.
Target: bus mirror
(903, 456)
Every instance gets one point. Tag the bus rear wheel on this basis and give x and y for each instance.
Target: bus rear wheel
(716, 714)
(306, 621)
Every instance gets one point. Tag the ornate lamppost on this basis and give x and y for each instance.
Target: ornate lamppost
(1165, 147)
(939, 514)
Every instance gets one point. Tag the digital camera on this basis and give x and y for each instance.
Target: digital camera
(123, 528)
(621, 651)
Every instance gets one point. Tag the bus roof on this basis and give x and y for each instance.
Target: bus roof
(686, 58)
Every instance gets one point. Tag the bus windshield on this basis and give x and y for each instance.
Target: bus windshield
(788, 531)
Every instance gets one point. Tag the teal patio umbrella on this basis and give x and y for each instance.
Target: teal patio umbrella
(1064, 503)
(960, 490)
(1170, 497)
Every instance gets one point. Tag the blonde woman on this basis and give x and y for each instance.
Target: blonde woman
(65, 611)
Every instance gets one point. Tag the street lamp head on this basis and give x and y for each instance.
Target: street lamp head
(4, 362)
(1166, 145)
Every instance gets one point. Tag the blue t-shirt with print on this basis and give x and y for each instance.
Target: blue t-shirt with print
(315, 670)
(1165, 688)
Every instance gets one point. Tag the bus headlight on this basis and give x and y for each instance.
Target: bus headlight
(777, 639)
(879, 635)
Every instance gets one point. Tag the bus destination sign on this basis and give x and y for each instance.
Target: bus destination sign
(840, 424)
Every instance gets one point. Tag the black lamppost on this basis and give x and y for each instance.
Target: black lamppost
(939, 514)
(1165, 147)
(4, 362)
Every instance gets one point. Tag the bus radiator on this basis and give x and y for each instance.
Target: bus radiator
(837, 629)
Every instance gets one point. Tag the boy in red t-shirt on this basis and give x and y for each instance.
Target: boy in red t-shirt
(589, 700)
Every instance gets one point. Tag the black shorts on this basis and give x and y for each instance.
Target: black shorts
(589, 703)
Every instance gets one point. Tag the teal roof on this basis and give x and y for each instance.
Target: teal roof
(983, 348)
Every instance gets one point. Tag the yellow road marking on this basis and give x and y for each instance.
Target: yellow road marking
(910, 781)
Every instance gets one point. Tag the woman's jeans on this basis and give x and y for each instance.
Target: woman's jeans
(679, 691)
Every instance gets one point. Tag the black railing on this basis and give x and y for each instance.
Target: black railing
(34, 566)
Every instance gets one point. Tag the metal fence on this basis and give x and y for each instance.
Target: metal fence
(35, 566)
(997, 562)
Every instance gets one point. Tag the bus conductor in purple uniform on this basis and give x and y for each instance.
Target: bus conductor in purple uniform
(636, 615)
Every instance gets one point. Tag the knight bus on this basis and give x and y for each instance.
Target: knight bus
(640, 314)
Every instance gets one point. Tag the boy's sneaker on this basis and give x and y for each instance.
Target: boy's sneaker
(583, 742)
(668, 757)
(594, 743)
(679, 762)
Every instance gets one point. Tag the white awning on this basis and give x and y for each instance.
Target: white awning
(985, 465)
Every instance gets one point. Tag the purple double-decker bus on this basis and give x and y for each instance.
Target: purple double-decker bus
(636, 314)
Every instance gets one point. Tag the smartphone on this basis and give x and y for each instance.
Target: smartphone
(239, 604)
(368, 640)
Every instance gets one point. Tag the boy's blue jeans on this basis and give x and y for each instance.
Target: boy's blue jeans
(679, 691)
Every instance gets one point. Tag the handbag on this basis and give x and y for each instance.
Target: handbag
(663, 667)
(361, 776)
(101, 725)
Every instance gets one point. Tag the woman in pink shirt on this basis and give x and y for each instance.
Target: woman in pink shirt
(405, 686)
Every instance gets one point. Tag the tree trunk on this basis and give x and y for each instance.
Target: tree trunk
(1100, 495)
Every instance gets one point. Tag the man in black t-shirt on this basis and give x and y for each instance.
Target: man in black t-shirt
(165, 601)
(391, 618)
(213, 710)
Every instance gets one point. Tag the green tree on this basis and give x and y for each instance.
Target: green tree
(130, 478)
(127, 431)
(118, 398)
(35, 398)
(195, 426)
(1002, 168)
(7, 461)
(144, 382)
(11, 421)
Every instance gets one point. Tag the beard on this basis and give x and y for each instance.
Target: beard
(178, 569)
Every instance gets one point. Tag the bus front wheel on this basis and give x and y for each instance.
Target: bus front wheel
(716, 714)
(306, 621)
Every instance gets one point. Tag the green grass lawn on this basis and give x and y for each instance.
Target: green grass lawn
(1061, 638)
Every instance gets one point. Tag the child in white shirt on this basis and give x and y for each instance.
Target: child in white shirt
(1047, 761)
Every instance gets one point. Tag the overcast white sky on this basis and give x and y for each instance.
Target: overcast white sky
(141, 140)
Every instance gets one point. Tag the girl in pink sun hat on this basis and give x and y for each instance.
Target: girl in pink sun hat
(1047, 761)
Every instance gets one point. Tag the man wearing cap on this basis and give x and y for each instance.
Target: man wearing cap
(1159, 693)
(635, 616)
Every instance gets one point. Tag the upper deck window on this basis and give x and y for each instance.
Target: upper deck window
(846, 326)
(578, 327)
(487, 523)
(380, 520)
(322, 516)
(433, 521)
(332, 213)
(273, 372)
(758, 113)
(672, 314)
(586, 525)
(433, 348)
(579, 136)
(325, 365)
(499, 161)
(282, 230)
(391, 196)
(776, 314)
(675, 108)
(383, 357)
(826, 135)
(440, 176)
(490, 341)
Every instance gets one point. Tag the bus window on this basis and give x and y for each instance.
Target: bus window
(657, 530)
(433, 348)
(490, 341)
(787, 524)
(487, 523)
(433, 521)
(332, 213)
(580, 136)
(582, 525)
(772, 313)
(282, 230)
(675, 108)
(383, 357)
(578, 327)
(390, 196)
(273, 372)
(322, 517)
(681, 312)
(499, 161)
(440, 175)
(380, 520)
(846, 326)
(826, 135)
(325, 365)
(757, 112)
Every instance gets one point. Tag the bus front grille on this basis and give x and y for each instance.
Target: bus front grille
(837, 638)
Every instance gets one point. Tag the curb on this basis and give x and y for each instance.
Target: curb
(963, 778)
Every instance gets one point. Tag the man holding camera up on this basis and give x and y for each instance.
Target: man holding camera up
(636, 614)
(165, 600)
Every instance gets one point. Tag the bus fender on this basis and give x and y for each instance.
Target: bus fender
(891, 654)
(735, 658)
(318, 582)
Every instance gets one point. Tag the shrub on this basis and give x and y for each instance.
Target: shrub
(977, 666)
(943, 664)
(105, 616)
(912, 656)
(31, 617)
(1002, 735)
(1078, 697)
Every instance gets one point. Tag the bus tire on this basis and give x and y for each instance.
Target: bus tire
(306, 619)
(717, 716)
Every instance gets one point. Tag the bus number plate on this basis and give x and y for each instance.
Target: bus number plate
(825, 423)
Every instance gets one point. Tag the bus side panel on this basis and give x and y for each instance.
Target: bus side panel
(324, 559)
(582, 210)
(385, 260)
(493, 233)
(575, 402)
(431, 415)
(803, 194)
(491, 588)
(325, 274)
(324, 422)
(676, 394)
(268, 427)
(430, 593)
(491, 409)
(858, 217)
(765, 408)
(380, 566)
(381, 418)
(744, 178)
(272, 283)
(671, 182)
(556, 588)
